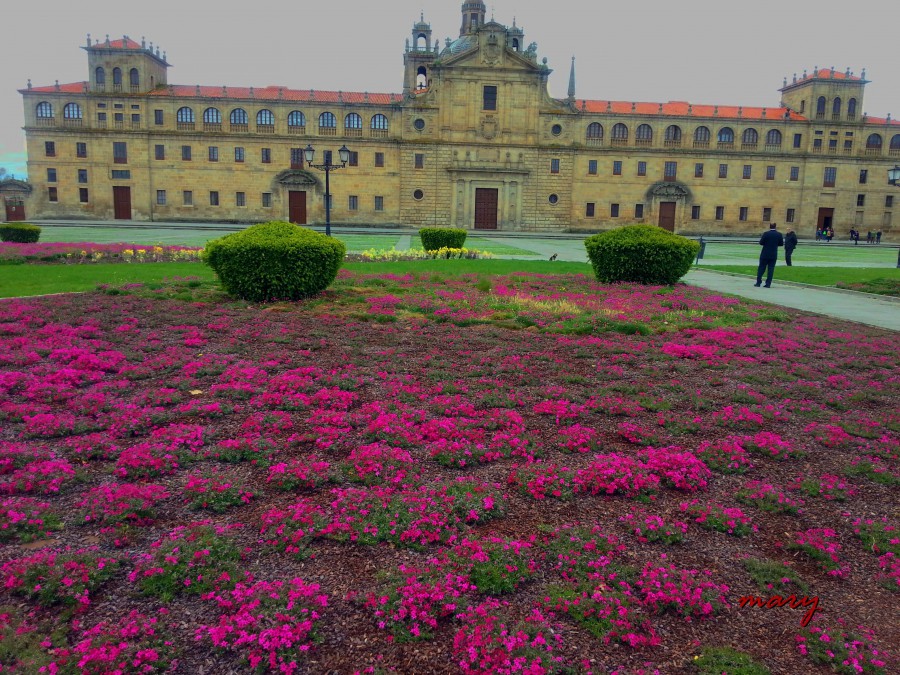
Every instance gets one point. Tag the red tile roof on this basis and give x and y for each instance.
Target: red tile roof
(882, 120)
(122, 43)
(273, 93)
(685, 109)
(70, 88)
(829, 74)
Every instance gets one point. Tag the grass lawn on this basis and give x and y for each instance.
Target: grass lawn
(806, 253)
(817, 276)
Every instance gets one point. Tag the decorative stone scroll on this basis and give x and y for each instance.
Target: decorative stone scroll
(296, 178)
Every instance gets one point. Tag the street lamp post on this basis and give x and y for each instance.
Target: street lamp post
(309, 154)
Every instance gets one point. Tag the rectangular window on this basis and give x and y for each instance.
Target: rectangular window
(119, 117)
(83, 195)
(798, 140)
(81, 150)
(379, 159)
(830, 176)
(888, 201)
(161, 197)
(267, 200)
(266, 155)
(770, 173)
(52, 194)
(617, 168)
(789, 217)
(817, 145)
(723, 171)
(213, 153)
(747, 169)
(50, 148)
(832, 145)
(795, 173)
(554, 166)
(353, 203)
(698, 170)
(860, 200)
(354, 158)
(158, 117)
(82, 175)
(187, 197)
(614, 210)
(240, 199)
(51, 175)
(742, 214)
(160, 151)
(135, 119)
(589, 210)
(101, 119)
(326, 157)
(695, 212)
(670, 170)
(379, 203)
(767, 214)
(848, 146)
(863, 176)
(238, 155)
(185, 153)
(213, 198)
(489, 98)
(121, 174)
(297, 158)
(642, 169)
(592, 167)
(420, 161)
(720, 213)
(638, 210)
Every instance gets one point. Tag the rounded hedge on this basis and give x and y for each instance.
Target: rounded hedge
(644, 254)
(434, 238)
(275, 261)
(20, 233)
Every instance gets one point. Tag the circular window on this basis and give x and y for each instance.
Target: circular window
(418, 194)
(419, 124)
(556, 129)
(554, 198)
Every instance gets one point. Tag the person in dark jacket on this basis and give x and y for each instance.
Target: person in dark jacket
(770, 241)
(790, 243)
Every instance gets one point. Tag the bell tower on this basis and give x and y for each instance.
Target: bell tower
(472, 17)
(418, 58)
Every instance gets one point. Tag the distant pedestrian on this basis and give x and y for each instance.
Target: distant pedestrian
(870, 238)
(854, 237)
(878, 237)
(790, 243)
(830, 235)
(770, 241)
(818, 234)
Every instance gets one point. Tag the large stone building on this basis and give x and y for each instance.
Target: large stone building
(474, 140)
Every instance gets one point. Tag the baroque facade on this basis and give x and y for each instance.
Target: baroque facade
(474, 140)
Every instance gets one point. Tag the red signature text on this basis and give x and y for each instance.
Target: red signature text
(778, 601)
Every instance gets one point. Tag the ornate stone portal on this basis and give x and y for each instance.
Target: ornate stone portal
(296, 178)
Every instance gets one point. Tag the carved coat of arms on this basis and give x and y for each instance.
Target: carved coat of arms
(489, 127)
(492, 52)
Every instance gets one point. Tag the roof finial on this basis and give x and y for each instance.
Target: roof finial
(832, 73)
(197, 90)
(89, 39)
(847, 74)
(571, 91)
(804, 73)
(224, 91)
(107, 39)
(29, 83)
(251, 92)
(863, 74)
(785, 81)
(422, 16)
(164, 56)
(143, 43)
(795, 78)
(815, 71)
(57, 85)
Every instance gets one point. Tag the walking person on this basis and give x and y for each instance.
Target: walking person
(790, 243)
(878, 237)
(770, 241)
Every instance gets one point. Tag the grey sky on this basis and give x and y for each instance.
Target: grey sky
(703, 51)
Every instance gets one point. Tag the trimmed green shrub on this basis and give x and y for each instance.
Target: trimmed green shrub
(275, 261)
(645, 254)
(20, 233)
(434, 238)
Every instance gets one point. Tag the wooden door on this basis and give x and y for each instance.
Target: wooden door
(486, 208)
(667, 216)
(15, 209)
(121, 202)
(297, 206)
(826, 218)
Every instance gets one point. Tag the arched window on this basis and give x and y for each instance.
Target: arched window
(874, 141)
(726, 135)
(750, 137)
(379, 121)
(327, 120)
(353, 121)
(595, 131)
(644, 133)
(515, 44)
(895, 142)
(702, 135)
(44, 110)
(265, 118)
(185, 115)
(820, 106)
(836, 107)
(851, 109)
(773, 137)
(238, 116)
(117, 76)
(296, 119)
(212, 116)
(620, 132)
(673, 133)
(134, 77)
(72, 111)
(100, 75)
(421, 78)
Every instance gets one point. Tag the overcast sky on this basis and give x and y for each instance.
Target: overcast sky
(703, 51)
